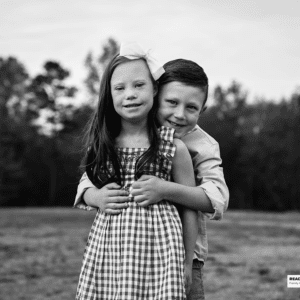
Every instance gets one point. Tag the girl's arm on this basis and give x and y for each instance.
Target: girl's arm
(183, 173)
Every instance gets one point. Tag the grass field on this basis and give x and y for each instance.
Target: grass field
(250, 254)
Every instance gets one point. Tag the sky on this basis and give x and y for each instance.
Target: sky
(253, 42)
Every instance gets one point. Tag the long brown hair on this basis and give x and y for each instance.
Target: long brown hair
(105, 126)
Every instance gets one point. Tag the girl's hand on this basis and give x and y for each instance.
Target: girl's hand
(188, 269)
(110, 199)
(147, 190)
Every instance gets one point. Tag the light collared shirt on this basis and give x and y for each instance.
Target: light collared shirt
(206, 158)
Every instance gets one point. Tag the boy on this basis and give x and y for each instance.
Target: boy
(183, 91)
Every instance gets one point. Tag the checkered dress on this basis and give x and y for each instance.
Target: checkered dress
(139, 253)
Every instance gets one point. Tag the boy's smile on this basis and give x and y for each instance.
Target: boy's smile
(180, 106)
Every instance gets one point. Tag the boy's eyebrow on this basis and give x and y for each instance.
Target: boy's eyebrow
(194, 102)
(177, 98)
(171, 98)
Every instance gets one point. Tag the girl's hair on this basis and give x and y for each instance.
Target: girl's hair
(187, 72)
(105, 126)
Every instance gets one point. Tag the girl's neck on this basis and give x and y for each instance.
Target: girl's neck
(133, 136)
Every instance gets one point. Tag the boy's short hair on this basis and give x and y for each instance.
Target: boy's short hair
(187, 72)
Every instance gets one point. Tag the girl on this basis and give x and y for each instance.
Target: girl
(139, 253)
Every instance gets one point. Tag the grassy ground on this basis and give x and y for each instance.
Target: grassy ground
(250, 254)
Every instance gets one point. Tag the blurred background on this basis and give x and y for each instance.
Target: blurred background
(52, 55)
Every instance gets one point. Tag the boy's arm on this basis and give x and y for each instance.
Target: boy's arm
(210, 177)
(83, 185)
(182, 172)
(150, 189)
(109, 199)
(210, 196)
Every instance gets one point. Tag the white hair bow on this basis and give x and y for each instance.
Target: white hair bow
(133, 50)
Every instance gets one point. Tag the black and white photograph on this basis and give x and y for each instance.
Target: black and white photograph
(149, 150)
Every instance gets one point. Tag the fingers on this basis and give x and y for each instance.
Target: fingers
(142, 201)
(136, 192)
(139, 199)
(145, 177)
(115, 208)
(136, 185)
(112, 186)
(113, 211)
(115, 193)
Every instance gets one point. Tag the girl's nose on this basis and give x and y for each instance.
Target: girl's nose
(130, 94)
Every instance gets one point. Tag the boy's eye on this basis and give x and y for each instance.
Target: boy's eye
(172, 102)
(139, 84)
(193, 107)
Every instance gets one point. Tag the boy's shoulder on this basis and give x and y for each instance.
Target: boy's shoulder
(198, 135)
(201, 144)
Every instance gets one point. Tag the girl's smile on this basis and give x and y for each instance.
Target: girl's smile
(133, 105)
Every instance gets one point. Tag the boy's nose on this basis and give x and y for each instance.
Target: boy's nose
(179, 113)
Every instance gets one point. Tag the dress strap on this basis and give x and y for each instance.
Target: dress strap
(166, 133)
(167, 147)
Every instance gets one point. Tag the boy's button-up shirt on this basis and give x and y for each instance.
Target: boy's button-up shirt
(205, 153)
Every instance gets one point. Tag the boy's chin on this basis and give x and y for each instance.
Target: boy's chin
(178, 135)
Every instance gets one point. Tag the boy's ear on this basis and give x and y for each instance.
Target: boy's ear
(203, 109)
(155, 89)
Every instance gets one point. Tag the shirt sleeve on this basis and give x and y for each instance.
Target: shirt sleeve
(210, 177)
(83, 185)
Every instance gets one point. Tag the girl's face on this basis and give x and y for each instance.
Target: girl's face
(132, 91)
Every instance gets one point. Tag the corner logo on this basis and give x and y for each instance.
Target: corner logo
(293, 281)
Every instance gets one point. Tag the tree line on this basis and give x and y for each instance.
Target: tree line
(42, 126)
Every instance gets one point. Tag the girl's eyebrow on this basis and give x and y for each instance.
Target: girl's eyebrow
(139, 79)
(135, 80)
(116, 84)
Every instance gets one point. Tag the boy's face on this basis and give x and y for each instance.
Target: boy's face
(180, 106)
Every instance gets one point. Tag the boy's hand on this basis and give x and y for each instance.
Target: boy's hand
(188, 269)
(110, 198)
(147, 190)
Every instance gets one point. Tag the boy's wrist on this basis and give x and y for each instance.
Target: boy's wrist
(189, 257)
(163, 189)
(166, 190)
(88, 196)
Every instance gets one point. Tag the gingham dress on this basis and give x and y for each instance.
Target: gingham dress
(139, 253)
